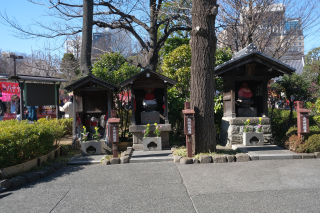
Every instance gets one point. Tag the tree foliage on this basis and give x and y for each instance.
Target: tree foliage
(312, 65)
(176, 65)
(173, 43)
(112, 67)
(296, 88)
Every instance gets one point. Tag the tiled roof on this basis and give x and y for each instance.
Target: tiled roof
(98, 80)
(250, 50)
(297, 64)
(162, 77)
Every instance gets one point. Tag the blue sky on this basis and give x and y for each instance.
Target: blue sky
(25, 12)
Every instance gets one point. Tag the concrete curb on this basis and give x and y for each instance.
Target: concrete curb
(25, 178)
(125, 159)
(83, 162)
(251, 155)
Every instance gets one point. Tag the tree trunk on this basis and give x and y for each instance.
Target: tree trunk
(85, 57)
(203, 46)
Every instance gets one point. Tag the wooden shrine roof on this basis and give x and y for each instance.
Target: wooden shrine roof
(142, 75)
(251, 55)
(91, 78)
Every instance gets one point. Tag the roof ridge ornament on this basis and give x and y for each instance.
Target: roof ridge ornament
(249, 49)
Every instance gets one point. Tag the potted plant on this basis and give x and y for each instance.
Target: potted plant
(84, 134)
(91, 146)
(260, 125)
(152, 143)
(96, 135)
(252, 138)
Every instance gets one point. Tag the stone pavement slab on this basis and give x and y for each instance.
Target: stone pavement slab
(254, 186)
(267, 152)
(152, 187)
(259, 201)
(250, 176)
(86, 159)
(140, 156)
(31, 200)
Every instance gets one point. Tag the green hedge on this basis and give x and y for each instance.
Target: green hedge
(280, 120)
(311, 141)
(21, 141)
(311, 145)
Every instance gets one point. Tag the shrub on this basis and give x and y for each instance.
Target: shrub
(182, 151)
(311, 145)
(22, 141)
(289, 133)
(293, 143)
(280, 121)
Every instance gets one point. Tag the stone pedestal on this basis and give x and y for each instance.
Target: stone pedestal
(253, 139)
(232, 129)
(247, 112)
(91, 147)
(152, 144)
(138, 135)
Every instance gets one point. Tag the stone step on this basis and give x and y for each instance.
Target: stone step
(139, 156)
(267, 152)
(85, 159)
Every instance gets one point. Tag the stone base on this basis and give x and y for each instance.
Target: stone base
(106, 148)
(232, 129)
(247, 112)
(138, 135)
(248, 139)
(152, 144)
(91, 147)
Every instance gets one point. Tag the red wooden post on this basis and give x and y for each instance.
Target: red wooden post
(302, 119)
(114, 132)
(188, 126)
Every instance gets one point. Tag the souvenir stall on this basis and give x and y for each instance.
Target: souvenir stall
(149, 105)
(35, 91)
(93, 102)
(245, 92)
(8, 89)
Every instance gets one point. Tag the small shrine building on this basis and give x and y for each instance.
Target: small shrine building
(149, 105)
(245, 92)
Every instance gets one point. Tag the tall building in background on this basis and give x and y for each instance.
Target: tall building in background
(108, 40)
(103, 40)
(295, 25)
(273, 32)
(74, 47)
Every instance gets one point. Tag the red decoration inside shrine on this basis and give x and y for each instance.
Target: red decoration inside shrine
(244, 91)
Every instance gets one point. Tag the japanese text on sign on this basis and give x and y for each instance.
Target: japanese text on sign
(189, 125)
(114, 133)
(304, 124)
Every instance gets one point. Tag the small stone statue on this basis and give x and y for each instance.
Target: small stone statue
(244, 96)
(244, 92)
(149, 103)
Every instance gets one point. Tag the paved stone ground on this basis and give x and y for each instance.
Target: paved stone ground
(267, 152)
(255, 186)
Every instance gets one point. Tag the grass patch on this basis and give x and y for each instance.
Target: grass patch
(182, 151)
(108, 157)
